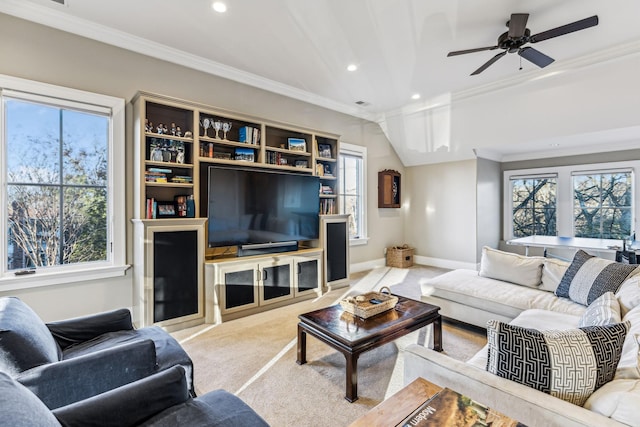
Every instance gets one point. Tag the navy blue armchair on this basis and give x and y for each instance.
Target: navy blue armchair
(160, 400)
(71, 360)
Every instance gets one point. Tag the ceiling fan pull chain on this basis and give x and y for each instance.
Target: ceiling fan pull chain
(521, 63)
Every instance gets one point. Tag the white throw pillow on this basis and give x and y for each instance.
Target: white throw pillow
(552, 271)
(605, 310)
(629, 294)
(510, 267)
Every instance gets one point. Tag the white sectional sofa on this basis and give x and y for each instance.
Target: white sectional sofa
(519, 291)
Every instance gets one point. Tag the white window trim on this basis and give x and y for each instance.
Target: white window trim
(115, 265)
(359, 150)
(564, 192)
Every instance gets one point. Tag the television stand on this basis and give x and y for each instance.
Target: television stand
(267, 248)
(238, 287)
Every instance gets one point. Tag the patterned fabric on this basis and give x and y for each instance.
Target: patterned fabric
(605, 310)
(588, 277)
(569, 364)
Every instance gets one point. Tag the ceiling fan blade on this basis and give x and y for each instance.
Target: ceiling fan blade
(535, 56)
(565, 29)
(518, 25)
(479, 49)
(488, 63)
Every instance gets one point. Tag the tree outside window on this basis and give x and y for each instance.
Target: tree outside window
(56, 169)
(351, 194)
(602, 205)
(534, 206)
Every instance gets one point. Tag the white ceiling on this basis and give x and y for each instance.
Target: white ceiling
(301, 48)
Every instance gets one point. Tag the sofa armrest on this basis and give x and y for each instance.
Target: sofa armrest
(60, 383)
(527, 405)
(130, 404)
(81, 329)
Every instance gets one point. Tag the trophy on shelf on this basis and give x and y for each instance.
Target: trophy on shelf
(206, 124)
(226, 127)
(217, 125)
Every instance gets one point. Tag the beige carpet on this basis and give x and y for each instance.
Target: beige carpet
(254, 357)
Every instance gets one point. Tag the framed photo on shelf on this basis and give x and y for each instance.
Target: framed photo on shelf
(324, 150)
(166, 210)
(301, 164)
(297, 144)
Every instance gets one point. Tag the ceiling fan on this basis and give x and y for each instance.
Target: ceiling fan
(518, 35)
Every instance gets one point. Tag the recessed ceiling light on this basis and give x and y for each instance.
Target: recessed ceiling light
(352, 67)
(415, 96)
(218, 6)
(554, 144)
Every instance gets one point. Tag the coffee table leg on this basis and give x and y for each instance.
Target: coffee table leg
(437, 334)
(302, 346)
(352, 377)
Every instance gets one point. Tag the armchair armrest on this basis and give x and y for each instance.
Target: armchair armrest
(130, 404)
(70, 380)
(81, 329)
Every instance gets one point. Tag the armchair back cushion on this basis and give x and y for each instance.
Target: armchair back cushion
(80, 329)
(25, 340)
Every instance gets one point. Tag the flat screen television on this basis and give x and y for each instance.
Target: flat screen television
(253, 207)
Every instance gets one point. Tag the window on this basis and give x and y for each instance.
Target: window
(603, 204)
(595, 201)
(352, 191)
(62, 197)
(534, 205)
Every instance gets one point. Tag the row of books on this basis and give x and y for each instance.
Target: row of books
(156, 174)
(161, 175)
(326, 189)
(327, 207)
(151, 208)
(249, 135)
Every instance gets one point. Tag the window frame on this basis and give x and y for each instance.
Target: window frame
(564, 192)
(361, 152)
(59, 96)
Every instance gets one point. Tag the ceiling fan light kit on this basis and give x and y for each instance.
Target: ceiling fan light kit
(518, 35)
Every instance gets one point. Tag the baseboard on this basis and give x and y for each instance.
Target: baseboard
(445, 263)
(367, 265)
(422, 260)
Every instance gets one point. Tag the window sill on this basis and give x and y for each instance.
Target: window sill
(359, 241)
(43, 278)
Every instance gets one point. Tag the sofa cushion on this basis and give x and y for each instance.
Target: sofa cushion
(25, 341)
(510, 267)
(603, 311)
(552, 272)
(588, 277)
(629, 365)
(569, 364)
(495, 296)
(618, 400)
(629, 294)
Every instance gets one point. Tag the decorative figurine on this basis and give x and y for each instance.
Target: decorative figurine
(173, 129)
(160, 128)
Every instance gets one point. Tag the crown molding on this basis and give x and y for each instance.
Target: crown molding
(57, 19)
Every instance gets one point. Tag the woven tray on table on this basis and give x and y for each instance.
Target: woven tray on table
(370, 303)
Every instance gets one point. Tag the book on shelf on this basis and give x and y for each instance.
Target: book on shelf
(326, 189)
(151, 208)
(249, 135)
(450, 408)
(182, 179)
(327, 207)
(150, 176)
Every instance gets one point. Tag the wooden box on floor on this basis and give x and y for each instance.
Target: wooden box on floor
(400, 257)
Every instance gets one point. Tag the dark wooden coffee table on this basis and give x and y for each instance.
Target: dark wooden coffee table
(352, 335)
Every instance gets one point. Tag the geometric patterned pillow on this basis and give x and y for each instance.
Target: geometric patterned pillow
(569, 364)
(605, 310)
(588, 277)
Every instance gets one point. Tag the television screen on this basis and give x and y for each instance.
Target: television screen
(251, 206)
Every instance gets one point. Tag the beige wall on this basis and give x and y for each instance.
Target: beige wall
(441, 211)
(43, 54)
